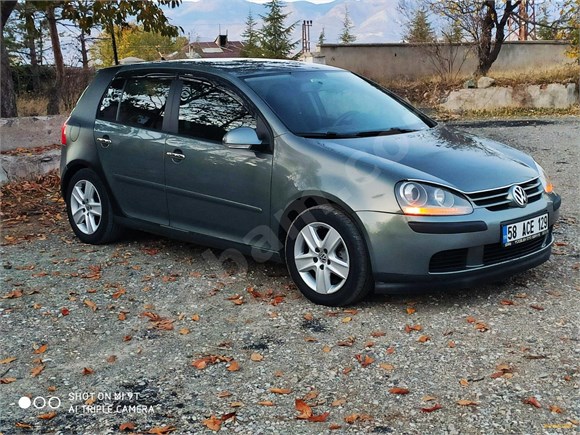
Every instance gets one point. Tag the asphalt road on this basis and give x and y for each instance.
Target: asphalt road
(161, 336)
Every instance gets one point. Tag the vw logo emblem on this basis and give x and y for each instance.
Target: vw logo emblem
(518, 196)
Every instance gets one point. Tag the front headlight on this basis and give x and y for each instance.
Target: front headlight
(546, 184)
(422, 199)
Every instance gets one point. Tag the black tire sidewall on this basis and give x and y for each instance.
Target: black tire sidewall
(358, 283)
(106, 230)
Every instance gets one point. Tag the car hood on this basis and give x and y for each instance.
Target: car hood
(442, 155)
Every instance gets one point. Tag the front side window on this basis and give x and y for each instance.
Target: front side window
(110, 101)
(208, 111)
(143, 102)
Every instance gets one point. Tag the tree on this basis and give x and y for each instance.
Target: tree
(275, 38)
(250, 38)
(484, 21)
(321, 37)
(8, 99)
(346, 36)
(134, 41)
(420, 29)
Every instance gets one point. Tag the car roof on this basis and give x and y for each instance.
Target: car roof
(234, 66)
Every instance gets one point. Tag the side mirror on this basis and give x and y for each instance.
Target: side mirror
(241, 138)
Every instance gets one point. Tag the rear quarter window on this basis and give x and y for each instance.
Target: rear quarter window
(110, 102)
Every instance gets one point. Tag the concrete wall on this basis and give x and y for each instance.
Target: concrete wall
(30, 131)
(411, 61)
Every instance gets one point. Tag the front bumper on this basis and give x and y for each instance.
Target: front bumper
(430, 253)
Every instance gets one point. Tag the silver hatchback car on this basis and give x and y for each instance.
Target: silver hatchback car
(312, 165)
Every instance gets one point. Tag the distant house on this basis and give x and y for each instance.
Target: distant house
(221, 47)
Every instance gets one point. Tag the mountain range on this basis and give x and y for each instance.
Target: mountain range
(373, 20)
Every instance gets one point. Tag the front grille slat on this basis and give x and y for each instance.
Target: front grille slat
(497, 199)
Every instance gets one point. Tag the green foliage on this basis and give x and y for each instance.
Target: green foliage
(134, 41)
(420, 29)
(346, 36)
(275, 38)
(251, 38)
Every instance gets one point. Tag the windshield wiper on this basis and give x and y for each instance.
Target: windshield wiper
(327, 135)
(387, 132)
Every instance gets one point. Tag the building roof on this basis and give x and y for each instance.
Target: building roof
(220, 48)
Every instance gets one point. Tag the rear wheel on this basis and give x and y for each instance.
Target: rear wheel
(89, 209)
(327, 257)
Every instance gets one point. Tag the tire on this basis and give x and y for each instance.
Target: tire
(327, 257)
(89, 209)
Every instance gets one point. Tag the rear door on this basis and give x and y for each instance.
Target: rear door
(131, 144)
(213, 189)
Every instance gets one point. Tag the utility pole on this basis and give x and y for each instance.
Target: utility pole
(306, 25)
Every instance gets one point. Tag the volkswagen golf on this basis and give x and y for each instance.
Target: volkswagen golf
(350, 186)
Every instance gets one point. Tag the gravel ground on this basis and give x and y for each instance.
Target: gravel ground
(161, 336)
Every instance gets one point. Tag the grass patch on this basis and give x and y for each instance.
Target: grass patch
(28, 105)
(505, 113)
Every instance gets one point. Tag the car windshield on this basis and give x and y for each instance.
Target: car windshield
(333, 104)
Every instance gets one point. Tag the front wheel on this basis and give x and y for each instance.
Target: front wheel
(89, 209)
(327, 257)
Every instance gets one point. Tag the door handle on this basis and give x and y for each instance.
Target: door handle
(104, 141)
(176, 156)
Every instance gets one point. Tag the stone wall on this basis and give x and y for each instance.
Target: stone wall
(411, 61)
(30, 132)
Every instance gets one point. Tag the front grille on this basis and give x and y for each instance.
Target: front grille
(448, 261)
(497, 199)
(496, 253)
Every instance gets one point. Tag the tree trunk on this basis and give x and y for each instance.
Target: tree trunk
(114, 42)
(84, 54)
(31, 44)
(7, 95)
(53, 107)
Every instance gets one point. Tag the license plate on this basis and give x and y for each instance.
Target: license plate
(522, 231)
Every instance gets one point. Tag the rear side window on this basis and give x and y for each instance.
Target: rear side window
(110, 101)
(143, 102)
(208, 111)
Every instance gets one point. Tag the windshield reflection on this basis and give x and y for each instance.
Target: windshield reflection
(333, 104)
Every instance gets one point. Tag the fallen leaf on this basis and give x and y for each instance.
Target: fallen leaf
(537, 307)
(36, 371)
(532, 401)
(256, 357)
(127, 426)
(431, 409)
(326, 349)
(346, 370)
(236, 404)
(162, 430)
(280, 390)
(521, 295)
(334, 426)
(423, 339)
(311, 339)
(90, 304)
(338, 402)
(377, 334)
(465, 402)
(390, 350)
(507, 302)
(308, 317)
(303, 408)
(481, 327)
(266, 403)
(195, 317)
(464, 382)
(87, 371)
(350, 419)
(48, 416)
(428, 398)
(410, 328)
(23, 425)
(184, 331)
(451, 344)
(8, 360)
(234, 366)
(7, 380)
(398, 390)
(555, 409)
(348, 342)
(411, 310)
(127, 338)
(470, 319)
(313, 394)
(346, 319)
(119, 293)
(52, 388)
(13, 295)
(387, 366)
(364, 361)
(111, 359)
(41, 349)
(223, 394)
(321, 418)
(64, 311)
